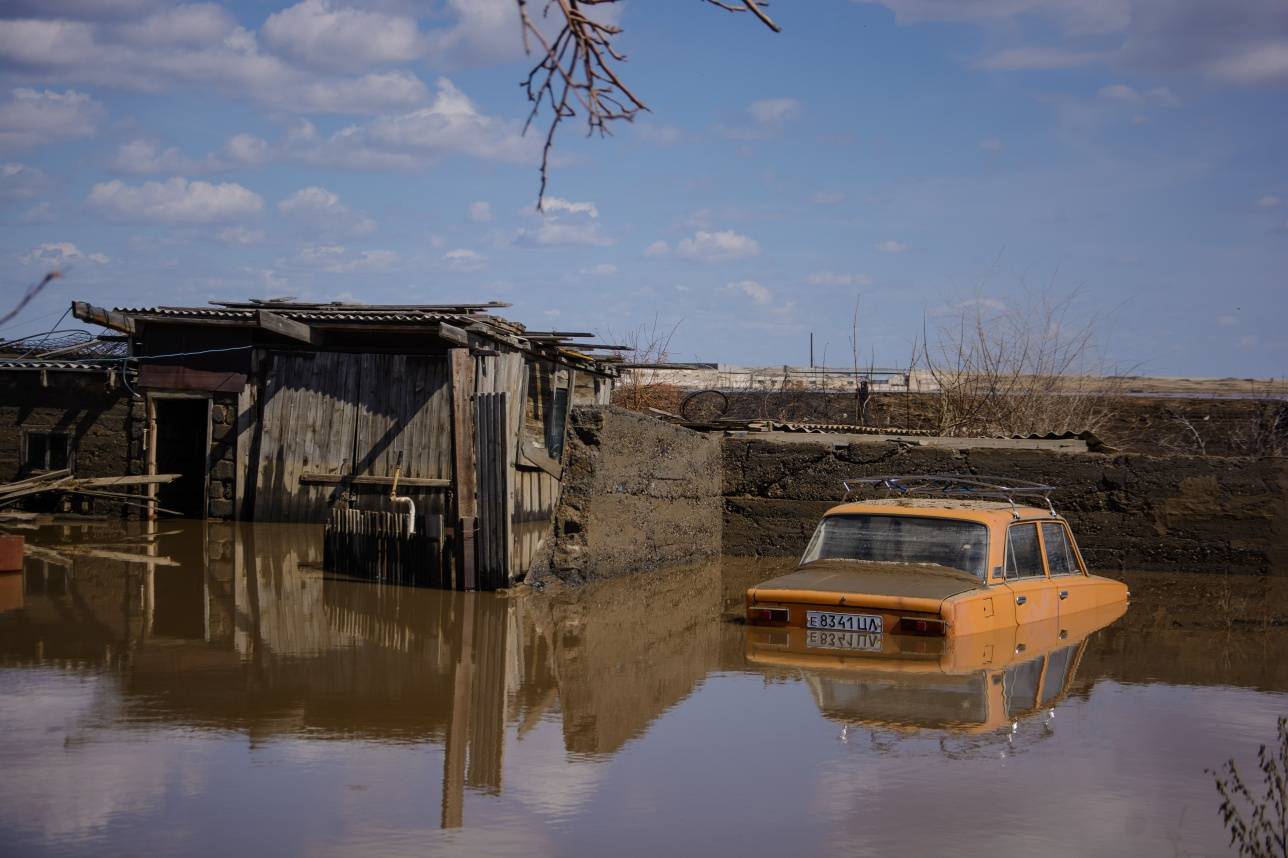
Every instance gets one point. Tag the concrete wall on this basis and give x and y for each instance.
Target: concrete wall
(637, 494)
(1127, 511)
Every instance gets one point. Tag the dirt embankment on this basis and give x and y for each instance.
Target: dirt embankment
(637, 494)
(1129, 511)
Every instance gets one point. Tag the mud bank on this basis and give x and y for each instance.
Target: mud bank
(638, 494)
(1178, 513)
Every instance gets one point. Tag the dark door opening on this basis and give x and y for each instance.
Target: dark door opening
(181, 449)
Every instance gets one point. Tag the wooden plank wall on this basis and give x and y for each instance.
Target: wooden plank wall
(324, 411)
(508, 373)
(403, 416)
(308, 425)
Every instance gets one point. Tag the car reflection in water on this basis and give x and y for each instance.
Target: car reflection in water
(975, 685)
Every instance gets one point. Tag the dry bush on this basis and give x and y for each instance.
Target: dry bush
(646, 345)
(1018, 369)
(1259, 430)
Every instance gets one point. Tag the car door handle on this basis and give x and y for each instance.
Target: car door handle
(1064, 594)
(1020, 600)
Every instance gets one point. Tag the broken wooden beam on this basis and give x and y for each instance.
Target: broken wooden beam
(275, 323)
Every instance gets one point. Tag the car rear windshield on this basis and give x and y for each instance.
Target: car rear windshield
(961, 545)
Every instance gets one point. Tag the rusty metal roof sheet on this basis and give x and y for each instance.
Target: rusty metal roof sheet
(62, 365)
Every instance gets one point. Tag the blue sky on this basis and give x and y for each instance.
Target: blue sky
(916, 154)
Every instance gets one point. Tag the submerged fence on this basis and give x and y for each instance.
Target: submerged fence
(384, 547)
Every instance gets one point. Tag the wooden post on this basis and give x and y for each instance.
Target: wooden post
(461, 381)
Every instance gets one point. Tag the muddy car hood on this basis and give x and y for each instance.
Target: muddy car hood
(874, 579)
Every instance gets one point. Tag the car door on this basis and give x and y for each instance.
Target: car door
(1073, 589)
(1033, 593)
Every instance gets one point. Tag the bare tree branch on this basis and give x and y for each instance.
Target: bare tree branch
(576, 68)
(30, 294)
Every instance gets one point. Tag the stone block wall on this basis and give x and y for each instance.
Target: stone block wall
(637, 494)
(222, 462)
(1179, 513)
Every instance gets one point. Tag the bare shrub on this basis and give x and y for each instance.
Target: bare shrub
(1258, 825)
(641, 389)
(1015, 369)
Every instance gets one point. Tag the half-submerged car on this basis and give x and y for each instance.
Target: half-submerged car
(914, 564)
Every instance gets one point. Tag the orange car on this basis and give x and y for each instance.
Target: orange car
(970, 683)
(918, 565)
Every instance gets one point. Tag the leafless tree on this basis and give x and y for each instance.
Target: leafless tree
(639, 389)
(577, 66)
(1018, 368)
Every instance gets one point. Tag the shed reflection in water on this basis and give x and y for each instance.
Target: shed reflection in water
(144, 705)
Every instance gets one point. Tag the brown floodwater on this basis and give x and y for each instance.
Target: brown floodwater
(229, 698)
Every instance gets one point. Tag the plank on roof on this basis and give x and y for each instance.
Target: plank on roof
(556, 335)
(291, 305)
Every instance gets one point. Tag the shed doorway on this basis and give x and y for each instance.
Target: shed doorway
(181, 429)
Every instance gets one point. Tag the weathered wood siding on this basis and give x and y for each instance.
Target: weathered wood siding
(333, 413)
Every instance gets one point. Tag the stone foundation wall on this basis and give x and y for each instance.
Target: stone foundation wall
(637, 494)
(1178, 513)
(81, 404)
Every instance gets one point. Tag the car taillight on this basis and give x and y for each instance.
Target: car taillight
(915, 626)
(757, 614)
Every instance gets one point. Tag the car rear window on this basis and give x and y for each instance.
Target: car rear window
(961, 545)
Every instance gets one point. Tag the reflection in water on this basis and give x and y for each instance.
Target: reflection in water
(148, 703)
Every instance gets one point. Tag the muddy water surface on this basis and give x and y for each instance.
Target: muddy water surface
(228, 698)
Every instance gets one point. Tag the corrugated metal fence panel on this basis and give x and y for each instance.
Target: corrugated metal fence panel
(493, 540)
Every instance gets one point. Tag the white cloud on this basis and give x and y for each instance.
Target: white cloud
(451, 124)
(39, 213)
(484, 32)
(60, 253)
(991, 144)
(246, 150)
(175, 201)
(144, 156)
(832, 278)
(338, 259)
(1227, 321)
(320, 34)
(553, 233)
(20, 181)
(32, 117)
(826, 198)
(752, 289)
(774, 110)
(661, 135)
(1269, 201)
(175, 47)
(239, 235)
(657, 248)
(555, 204)
(322, 208)
(480, 211)
(463, 259)
(1038, 59)
(1123, 93)
(891, 246)
(604, 269)
(717, 246)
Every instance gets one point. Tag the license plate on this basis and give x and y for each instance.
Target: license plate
(843, 622)
(864, 641)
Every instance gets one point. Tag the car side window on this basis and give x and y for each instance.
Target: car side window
(1059, 553)
(1023, 554)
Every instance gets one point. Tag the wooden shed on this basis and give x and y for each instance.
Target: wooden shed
(286, 411)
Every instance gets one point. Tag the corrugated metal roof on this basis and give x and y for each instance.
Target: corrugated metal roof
(80, 366)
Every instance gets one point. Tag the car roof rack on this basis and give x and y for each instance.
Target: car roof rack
(957, 486)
